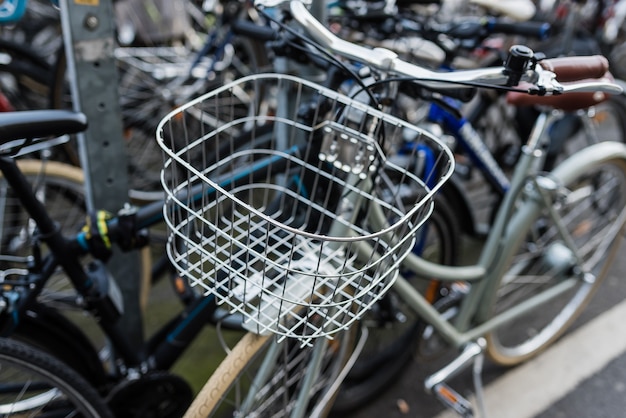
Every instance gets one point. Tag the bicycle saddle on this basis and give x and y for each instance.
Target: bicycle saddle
(31, 124)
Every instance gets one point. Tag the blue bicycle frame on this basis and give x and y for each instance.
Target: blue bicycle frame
(472, 144)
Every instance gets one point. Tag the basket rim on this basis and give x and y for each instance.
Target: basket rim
(341, 98)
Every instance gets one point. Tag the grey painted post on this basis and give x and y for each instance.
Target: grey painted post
(88, 33)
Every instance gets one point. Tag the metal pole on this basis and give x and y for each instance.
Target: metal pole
(88, 34)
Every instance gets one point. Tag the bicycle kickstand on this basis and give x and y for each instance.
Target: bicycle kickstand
(435, 384)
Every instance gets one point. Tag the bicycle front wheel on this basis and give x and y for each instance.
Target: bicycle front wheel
(264, 377)
(580, 246)
(34, 384)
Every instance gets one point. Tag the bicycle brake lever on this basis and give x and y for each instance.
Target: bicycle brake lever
(593, 86)
(547, 84)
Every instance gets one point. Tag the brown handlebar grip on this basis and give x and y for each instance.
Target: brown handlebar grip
(576, 68)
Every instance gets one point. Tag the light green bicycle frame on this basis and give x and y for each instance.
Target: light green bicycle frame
(515, 216)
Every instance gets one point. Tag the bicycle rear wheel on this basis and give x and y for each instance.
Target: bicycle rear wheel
(592, 213)
(60, 187)
(146, 94)
(264, 377)
(33, 383)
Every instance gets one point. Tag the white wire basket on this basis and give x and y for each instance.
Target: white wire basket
(281, 203)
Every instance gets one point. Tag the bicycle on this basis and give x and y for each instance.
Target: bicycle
(538, 204)
(24, 317)
(388, 356)
(35, 267)
(323, 347)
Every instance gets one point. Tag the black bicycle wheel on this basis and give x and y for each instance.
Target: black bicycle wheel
(394, 329)
(33, 383)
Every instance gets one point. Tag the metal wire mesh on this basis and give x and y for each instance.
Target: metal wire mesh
(285, 208)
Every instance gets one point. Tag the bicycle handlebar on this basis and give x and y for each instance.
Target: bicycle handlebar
(480, 29)
(544, 80)
(539, 30)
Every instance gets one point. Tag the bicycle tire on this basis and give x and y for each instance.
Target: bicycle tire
(36, 383)
(596, 193)
(48, 330)
(278, 396)
(393, 342)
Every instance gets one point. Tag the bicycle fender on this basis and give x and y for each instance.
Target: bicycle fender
(596, 153)
(50, 331)
(622, 84)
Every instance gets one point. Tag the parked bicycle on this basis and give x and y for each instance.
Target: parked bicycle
(259, 213)
(537, 250)
(96, 289)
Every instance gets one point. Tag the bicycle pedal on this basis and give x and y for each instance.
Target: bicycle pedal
(453, 400)
(472, 354)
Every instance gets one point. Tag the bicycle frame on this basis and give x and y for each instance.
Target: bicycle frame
(532, 196)
(472, 143)
(502, 241)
